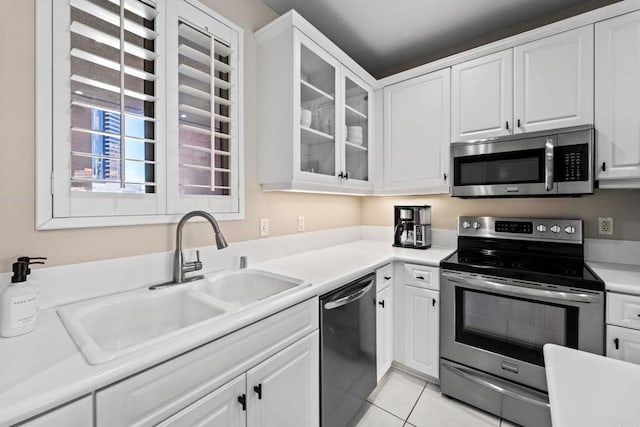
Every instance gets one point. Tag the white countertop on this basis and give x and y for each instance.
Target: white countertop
(623, 278)
(588, 390)
(44, 369)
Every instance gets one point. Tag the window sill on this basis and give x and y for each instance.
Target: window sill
(119, 221)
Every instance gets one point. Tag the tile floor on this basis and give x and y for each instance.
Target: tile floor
(403, 400)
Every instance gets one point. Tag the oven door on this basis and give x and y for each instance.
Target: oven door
(503, 168)
(499, 326)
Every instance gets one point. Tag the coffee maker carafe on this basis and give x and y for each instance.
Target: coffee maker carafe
(412, 227)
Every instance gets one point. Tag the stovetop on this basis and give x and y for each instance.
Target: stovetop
(513, 248)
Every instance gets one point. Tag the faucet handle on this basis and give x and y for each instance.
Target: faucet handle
(243, 262)
(197, 264)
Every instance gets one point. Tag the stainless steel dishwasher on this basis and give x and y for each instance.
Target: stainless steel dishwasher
(347, 350)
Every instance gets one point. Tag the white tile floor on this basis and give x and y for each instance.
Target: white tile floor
(402, 399)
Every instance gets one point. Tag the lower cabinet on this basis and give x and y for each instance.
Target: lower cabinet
(384, 330)
(282, 391)
(74, 414)
(421, 346)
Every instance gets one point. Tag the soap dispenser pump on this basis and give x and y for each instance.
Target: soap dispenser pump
(18, 303)
(33, 282)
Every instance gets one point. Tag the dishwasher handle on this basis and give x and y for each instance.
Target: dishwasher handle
(349, 298)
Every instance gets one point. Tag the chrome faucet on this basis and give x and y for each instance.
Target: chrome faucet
(180, 268)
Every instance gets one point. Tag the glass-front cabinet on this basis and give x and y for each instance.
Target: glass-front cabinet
(320, 142)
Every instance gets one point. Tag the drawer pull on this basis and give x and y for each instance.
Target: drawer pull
(389, 278)
(420, 277)
(381, 303)
(258, 389)
(243, 401)
(433, 302)
(616, 342)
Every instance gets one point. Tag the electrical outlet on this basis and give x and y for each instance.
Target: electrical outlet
(605, 226)
(264, 227)
(300, 223)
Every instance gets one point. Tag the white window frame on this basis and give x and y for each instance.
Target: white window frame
(48, 184)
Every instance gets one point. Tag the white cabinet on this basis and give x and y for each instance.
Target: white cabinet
(617, 86)
(158, 393)
(482, 97)
(220, 408)
(623, 327)
(384, 330)
(421, 346)
(417, 134)
(74, 414)
(284, 390)
(315, 128)
(623, 344)
(544, 84)
(553, 81)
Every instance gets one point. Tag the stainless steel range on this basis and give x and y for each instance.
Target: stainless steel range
(513, 285)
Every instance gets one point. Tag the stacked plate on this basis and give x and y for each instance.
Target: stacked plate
(354, 134)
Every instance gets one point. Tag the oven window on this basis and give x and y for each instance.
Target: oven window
(514, 327)
(513, 167)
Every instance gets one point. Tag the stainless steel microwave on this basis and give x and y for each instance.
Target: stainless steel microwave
(546, 163)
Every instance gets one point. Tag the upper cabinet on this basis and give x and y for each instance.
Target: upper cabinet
(618, 101)
(314, 114)
(417, 134)
(482, 97)
(544, 84)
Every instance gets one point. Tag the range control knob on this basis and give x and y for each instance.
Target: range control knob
(569, 229)
(555, 229)
(466, 225)
(476, 225)
(541, 228)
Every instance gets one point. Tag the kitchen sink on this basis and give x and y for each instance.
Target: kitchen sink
(113, 326)
(244, 287)
(110, 327)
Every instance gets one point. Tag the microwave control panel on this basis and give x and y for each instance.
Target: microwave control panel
(571, 163)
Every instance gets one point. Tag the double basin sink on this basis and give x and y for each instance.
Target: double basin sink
(111, 327)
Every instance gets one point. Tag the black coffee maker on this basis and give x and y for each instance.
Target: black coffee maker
(412, 226)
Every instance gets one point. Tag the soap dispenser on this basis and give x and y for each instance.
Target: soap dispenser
(18, 304)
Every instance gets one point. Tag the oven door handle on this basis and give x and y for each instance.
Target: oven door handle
(495, 387)
(548, 164)
(583, 298)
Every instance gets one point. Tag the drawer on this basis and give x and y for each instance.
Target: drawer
(623, 310)
(623, 344)
(384, 277)
(422, 276)
(157, 393)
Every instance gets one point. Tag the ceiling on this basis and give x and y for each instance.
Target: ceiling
(385, 36)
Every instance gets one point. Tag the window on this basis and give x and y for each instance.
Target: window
(137, 113)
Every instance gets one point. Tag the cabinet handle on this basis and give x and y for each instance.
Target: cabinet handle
(507, 125)
(346, 175)
(258, 389)
(389, 278)
(433, 302)
(603, 167)
(341, 175)
(381, 303)
(616, 342)
(243, 401)
(519, 123)
(445, 176)
(420, 277)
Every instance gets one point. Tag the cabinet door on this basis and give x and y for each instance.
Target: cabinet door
(618, 97)
(553, 81)
(384, 330)
(417, 134)
(220, 408)
(316, 89)
(355, 134)
(284, 390)
(623, 344)
(76, 414)
(482, 97)
(421, 350)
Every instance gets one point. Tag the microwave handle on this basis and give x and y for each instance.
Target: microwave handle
(548, 154)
